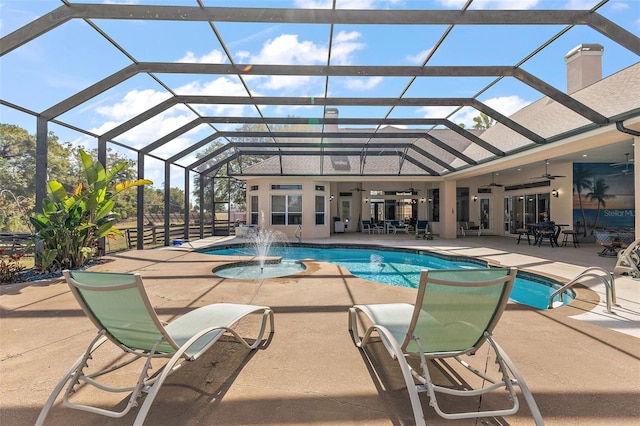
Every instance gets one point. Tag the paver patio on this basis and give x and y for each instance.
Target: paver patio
(581, 370)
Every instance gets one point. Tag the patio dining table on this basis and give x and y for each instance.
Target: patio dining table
(538, 231)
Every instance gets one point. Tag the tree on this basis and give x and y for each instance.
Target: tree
(17, 160)
(582, 181)
(18, 170)
(483, 121)
(599, 194)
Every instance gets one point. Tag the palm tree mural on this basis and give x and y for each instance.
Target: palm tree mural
(582, 181)
(599, 194)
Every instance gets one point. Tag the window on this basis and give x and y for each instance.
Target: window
(320, 211)
(289, 187)
(320, 188)
(254, 210)
(253, 188)
(286, 209)
(434, 210)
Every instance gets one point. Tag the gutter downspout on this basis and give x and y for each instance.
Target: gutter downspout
(620, 127)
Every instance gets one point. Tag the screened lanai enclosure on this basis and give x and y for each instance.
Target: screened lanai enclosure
(227, 94)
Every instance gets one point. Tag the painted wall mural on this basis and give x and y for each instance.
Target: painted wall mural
(603, 195)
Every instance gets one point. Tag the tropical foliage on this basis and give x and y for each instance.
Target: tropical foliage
(582, 180)
(70, 224)
(599, 194)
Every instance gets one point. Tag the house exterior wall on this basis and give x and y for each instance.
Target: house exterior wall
(265, 191)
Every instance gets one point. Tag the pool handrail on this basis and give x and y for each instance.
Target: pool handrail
(607, 280)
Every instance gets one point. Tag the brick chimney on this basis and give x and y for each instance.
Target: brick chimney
(584, 66)
(331, 113)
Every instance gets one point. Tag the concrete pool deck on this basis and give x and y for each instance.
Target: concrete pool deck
(582, 364)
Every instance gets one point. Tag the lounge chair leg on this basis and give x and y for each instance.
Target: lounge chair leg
(95, 344)
(528, 396)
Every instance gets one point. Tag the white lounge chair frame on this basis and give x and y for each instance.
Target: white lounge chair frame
(629, 260)
(184, 339)
(405, 330)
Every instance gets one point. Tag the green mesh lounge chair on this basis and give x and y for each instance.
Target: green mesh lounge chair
(455, 313)
(118, 306)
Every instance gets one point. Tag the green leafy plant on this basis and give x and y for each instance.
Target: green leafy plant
(70, 224)
(10, 267)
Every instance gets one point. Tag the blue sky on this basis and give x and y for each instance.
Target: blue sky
(73, 56)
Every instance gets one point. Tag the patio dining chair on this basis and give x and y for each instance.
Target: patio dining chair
(422, 226)
(118, 305)
(396, 226)
(454, 315)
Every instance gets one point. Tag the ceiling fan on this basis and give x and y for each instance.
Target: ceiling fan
(357, 189)
(411, 189)
(623, 163)
(627, 170)
(493, 182)
(546, 174)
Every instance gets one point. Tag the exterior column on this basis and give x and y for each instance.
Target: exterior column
(42, 167)
(636, 182)
(448, 212)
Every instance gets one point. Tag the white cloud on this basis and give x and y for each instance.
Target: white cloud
(419, 57)
(619, 5)
(507, 105)
(213, 57)
(280, 82)
(314, 4)
(344, 45)
(221, 86)
(362, 83)
(133, 103)
(286, 49)
(243, 54)
(580, 4)
(435, 111)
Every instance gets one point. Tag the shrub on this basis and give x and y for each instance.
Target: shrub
(10, 267)
(70, 224)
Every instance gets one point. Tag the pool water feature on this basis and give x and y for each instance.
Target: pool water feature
(401, 267)
(257, 270)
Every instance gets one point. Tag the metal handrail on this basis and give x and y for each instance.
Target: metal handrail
(607, 280)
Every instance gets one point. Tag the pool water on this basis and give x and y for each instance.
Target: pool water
(400, 268)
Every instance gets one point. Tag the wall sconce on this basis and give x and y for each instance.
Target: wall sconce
(422, 200)
(554, 192)
(475, 198)
(366, 199)
(430, 200)
(331, 197)
(413, 201)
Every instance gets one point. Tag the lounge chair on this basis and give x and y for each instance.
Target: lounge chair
(118, 306)
(464, 227)
(629, 260)
(608, 243)
(454, 314)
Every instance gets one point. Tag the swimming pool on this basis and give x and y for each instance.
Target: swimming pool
(401, 267)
